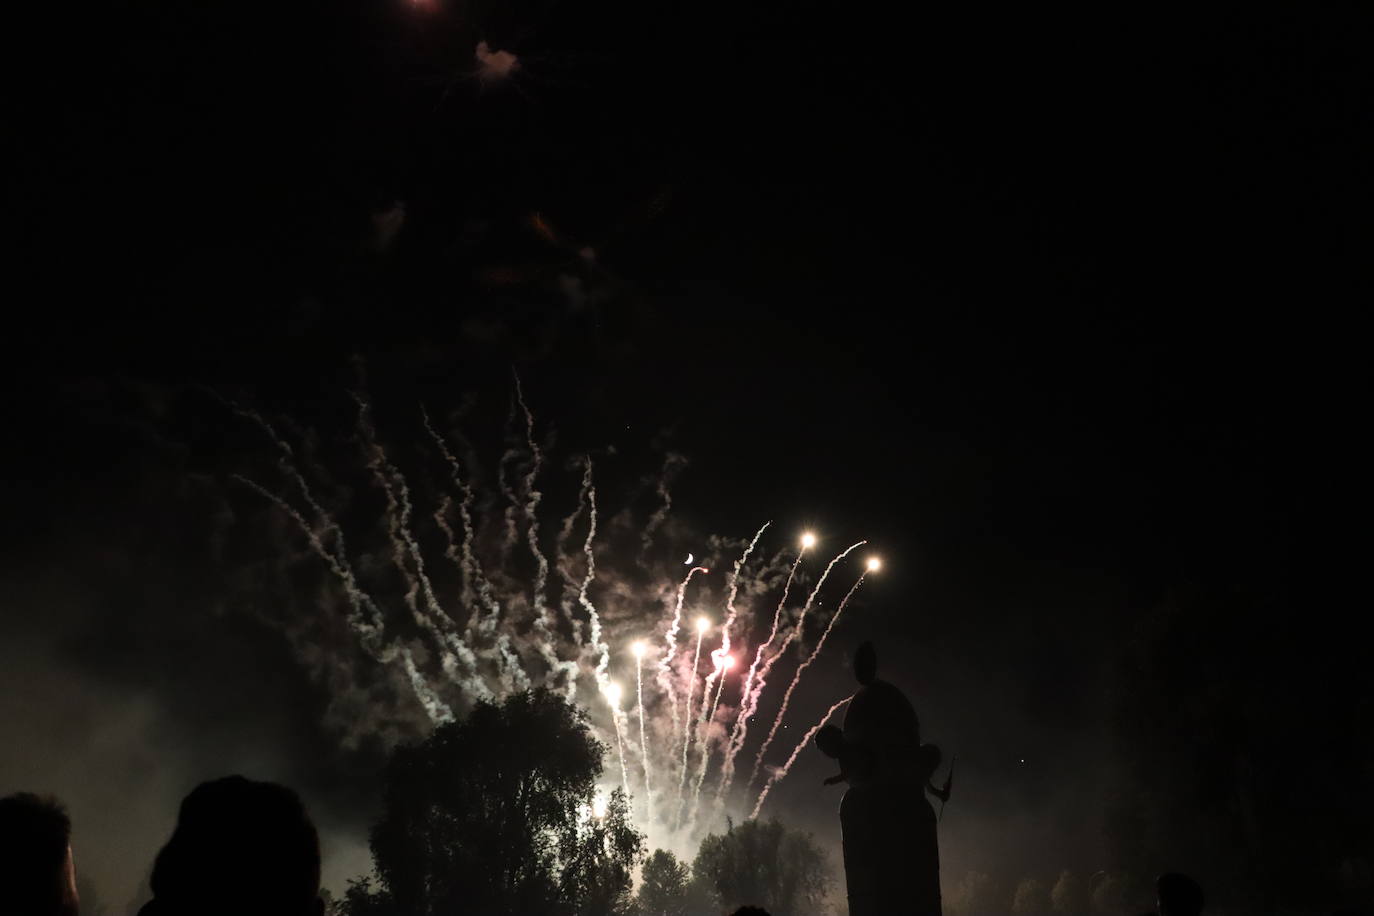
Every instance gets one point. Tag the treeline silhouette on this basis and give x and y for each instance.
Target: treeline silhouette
(499, 814)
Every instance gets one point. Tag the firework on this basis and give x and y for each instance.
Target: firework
(810, 659)
(781, 771)
(638, 650)
(792, 637)
(702, 626)
(479, 629)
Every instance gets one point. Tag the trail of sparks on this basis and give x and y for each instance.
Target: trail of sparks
(704, 743)
(665, 665)
(643, 741)
(792, 636)
(781, 772)
(620, 750)
(730, 613)
(815, 653)
(721, 658)
(485, 654)
(687, 728)
(749, 702)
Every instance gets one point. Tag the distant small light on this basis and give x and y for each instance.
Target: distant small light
(613, 693)
(808, 541)
(638, 648)
(874, 564)
(703, 624)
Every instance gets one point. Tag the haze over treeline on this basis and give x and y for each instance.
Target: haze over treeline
(1055, 306)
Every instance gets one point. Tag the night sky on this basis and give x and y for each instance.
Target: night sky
(1056, 307)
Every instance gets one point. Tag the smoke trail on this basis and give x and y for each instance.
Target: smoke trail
(687, 728)
(781, 772)
(287, 462)
(466, 562)
(433, 619)
(643, 741)
(673, 464)
(369, 633)
(438, 710)
(510, 455)
(568, 599)
(665, 665)
(486, 625)
(815, 653)
(749, 702)
(593, 619)
(545, 637)
(336, 558)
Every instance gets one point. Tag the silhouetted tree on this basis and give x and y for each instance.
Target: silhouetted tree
(1031, 898)
(1068, 896)
(1107, 894)
(974, 895)
(663, 886)
(494, 815)
(764, 864)
(363, 899)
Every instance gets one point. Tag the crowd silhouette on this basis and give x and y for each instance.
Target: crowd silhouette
(240, 846)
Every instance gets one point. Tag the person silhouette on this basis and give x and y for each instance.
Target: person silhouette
(1178, 895)
(240, 846)
(37, 873)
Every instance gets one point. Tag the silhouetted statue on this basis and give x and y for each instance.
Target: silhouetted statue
(37, 874)
(1178, 895)
(891, 857)
(239, 847)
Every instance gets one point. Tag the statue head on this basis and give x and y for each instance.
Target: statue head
(866, 664)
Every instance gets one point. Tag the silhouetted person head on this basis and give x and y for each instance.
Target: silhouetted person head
(1178, 895)
(37, 876)
(866, 663)
(239, 846)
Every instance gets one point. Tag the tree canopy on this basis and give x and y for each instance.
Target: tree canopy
(664, 884)
(764, 864)
(495, 815)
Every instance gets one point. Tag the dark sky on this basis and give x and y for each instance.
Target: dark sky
(1058, 307)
